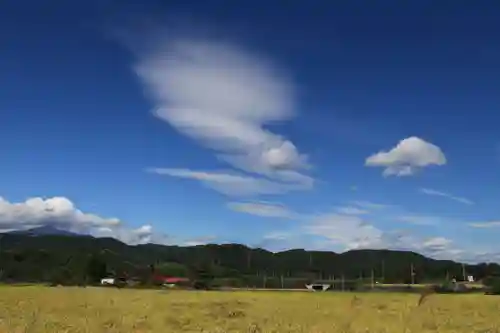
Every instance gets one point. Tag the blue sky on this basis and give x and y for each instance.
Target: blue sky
(335, 126)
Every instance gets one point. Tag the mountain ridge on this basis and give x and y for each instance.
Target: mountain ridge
(27, 258)
(46, 230)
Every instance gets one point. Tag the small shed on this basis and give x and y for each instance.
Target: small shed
(318, 286)
(108, 281)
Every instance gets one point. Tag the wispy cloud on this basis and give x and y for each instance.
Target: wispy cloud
(353, 232)
(429, 191)
(346, 230)
(262, 209)
(198, 241)
(489, 224)
(231, 183)
(223, 96)
(351, 210)
(409, 155)
(419, 219)
(370, 205)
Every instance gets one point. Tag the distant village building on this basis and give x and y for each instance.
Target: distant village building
(108, 282)
(170, 281)
(470, 278)
(318, 286)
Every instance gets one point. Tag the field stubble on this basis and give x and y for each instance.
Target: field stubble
(98, 310)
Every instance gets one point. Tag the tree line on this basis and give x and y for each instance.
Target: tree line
(83, 260)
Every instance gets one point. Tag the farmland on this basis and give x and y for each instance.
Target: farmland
(96, 310)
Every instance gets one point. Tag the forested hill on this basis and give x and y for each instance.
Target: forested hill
(28, 257)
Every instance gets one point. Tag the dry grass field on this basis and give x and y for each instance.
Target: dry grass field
(98, 310)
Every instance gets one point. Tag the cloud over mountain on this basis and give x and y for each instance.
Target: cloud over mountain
(60, 212)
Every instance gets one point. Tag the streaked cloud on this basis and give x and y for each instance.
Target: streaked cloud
(197, 241)
(370, 205)
(432, 192)
(262, 209)
(346, 230)
(224, 97)
(409, 156)
(232, 183)
(351, 210)
(419, 219)
(488, 224)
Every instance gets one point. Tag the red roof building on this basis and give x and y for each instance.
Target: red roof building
(170, 279)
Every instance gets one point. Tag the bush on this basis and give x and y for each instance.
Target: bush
(493, 284)
(201, 285)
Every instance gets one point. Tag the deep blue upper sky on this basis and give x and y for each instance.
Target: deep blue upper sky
(79, 82)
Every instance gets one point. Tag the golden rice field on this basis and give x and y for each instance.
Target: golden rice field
(99, 310)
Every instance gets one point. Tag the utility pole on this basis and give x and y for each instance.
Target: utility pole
(463, 273)
(249, 258)
(310, 260)
(412, 272)
(373, 282)
(383, 271)
(282, 282)
(342, 282)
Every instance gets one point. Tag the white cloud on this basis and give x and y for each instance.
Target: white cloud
(57, 211)
(419, 219)
(224, 97)
(141, 235)
(437, 243)
(370, 205)
(350, 210)
(61, 213)
(198, 241)
(410, 155)
(232, 184)
(352, 232)
(432, 192)
(489, 224)
(262, 209)
(278, 235)
(346, 230)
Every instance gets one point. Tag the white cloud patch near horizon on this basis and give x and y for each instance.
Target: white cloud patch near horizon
(61, 213)
(409, 156)
(343, 232)
(224, 97)
(432, 192)
(353, 232)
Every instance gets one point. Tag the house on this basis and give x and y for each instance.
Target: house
(108, 282)
(170, 281)
(318, 286)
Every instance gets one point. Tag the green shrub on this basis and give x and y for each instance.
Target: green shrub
(493, 284)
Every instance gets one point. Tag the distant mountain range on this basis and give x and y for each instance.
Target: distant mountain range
(45, 230)
(39, 253)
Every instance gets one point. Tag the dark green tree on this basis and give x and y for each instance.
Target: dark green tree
(96, 269)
